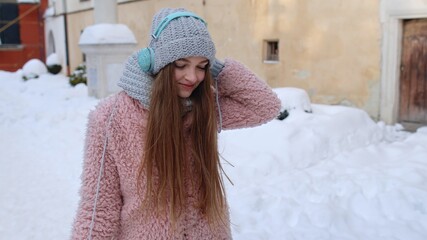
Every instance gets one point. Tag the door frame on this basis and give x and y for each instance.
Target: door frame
(391, 49)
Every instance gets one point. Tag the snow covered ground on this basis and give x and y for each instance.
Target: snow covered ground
(329, 174)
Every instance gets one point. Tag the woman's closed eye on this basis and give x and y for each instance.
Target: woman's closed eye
(180, 65)
(184, 65)
(202, 67)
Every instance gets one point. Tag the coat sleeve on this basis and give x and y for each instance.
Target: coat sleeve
(244, 99)
(107, 217)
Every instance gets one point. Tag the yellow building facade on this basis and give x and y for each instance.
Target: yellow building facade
(329, 48)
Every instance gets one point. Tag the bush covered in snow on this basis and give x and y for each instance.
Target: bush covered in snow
(53, 64)
(292, 99)
(79, 75)
(33, 69)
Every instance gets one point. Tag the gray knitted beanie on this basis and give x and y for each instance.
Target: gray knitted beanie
(136, 82)
(182, 37)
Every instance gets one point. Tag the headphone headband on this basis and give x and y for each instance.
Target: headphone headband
(171, 17)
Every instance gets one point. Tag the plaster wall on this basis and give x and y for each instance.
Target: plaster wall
(77, 5)
(76, 23)
(331, 49)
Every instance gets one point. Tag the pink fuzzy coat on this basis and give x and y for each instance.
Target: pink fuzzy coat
(245, 101)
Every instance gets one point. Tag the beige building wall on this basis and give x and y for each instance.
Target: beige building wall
(329, 48)
(77, 5)
(76, 23)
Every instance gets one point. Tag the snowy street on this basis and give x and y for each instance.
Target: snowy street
(330, 174)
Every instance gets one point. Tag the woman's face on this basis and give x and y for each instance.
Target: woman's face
(189, 73)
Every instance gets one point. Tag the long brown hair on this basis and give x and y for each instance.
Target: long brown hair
(164, 163)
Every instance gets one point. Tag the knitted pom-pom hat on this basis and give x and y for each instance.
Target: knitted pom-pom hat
(182, 37)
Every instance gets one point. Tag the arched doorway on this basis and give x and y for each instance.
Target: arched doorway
(50, 43)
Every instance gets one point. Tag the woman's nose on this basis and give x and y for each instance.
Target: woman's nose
(191, 75)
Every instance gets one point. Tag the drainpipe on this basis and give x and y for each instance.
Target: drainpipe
(67, 57)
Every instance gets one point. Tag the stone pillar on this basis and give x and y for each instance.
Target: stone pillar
(107, 46)
(104, 66)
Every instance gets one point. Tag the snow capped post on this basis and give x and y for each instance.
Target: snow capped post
(106, 45)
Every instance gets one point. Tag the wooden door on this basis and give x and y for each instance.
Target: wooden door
(413, 76)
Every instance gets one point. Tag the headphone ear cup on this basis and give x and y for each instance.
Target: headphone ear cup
(146, 60)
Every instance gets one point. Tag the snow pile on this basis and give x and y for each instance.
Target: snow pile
(330, 174)
(53, 59)
(293, 99)
(42, 124)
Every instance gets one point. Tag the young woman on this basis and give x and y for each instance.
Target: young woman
(151, 165)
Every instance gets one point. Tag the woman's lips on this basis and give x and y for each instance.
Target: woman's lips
(187, 86)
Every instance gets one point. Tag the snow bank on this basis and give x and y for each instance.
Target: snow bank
(332, 174)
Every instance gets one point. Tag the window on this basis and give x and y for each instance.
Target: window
(10, 34)
(271, 51)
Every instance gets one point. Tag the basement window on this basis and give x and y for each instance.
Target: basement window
(271, 51)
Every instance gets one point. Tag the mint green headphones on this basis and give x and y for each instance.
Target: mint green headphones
(146, 55)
